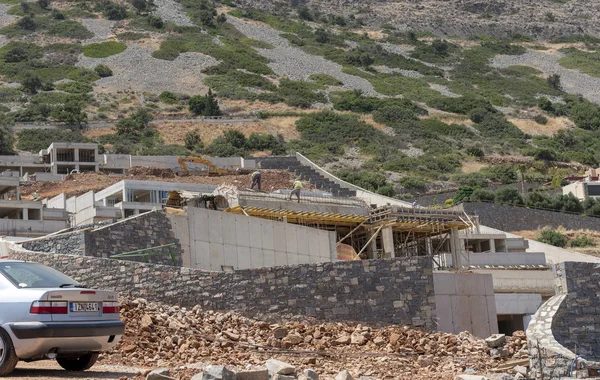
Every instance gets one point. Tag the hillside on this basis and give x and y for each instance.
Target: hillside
(386, 95)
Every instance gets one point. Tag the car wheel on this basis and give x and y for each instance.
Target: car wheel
(80, 363)
(8, 357)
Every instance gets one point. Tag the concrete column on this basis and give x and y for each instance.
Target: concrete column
(387, 237)
(478, 246)
(76, 155)
(492, 246)
(25, 214)
(455, 248)
(372, 248)
(428, 246)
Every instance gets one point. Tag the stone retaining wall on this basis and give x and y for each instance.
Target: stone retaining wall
(398, 291)
(511, 218)
(565, 331)
(146, 230)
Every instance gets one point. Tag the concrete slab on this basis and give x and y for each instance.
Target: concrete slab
(244, 257)
(201, 254)
(267, 234)
(444, 283)
(480, 322)
(461, 315)
(216, 256)
(291, 238)
(242, 230)
(257, 257)
(269, 257)
(229, 225)
(254, 230)
(230, 255)
(443, 309)
(215, 229)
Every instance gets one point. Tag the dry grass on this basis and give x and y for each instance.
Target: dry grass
(369, 120)
(95, 133)
(372, 33)
(554, 125)
(472, 166)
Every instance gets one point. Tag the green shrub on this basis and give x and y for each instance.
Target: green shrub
(155, 22)
(103, 49)
(475, 151)
(581, 242)
(412, 182)
(551, 237)
(69, 29)
(257, 43)
(482, 195)
(103, 71)
(325, 80)
(34, 140)
(508, 195)
(74, 87)
(540, 119)
(501, 173)
(471, 179)
(367, 180)
(193, 140)
(131, 36)
(115, 12)
(463, 193)
(168, 97)
(206, 105)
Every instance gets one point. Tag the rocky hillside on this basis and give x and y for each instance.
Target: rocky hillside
(545, 19)
(387, 104)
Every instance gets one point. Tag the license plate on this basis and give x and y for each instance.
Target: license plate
(82, 307)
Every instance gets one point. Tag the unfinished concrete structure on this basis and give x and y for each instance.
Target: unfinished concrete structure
(583, 189)
(62, 158)
(26, 218)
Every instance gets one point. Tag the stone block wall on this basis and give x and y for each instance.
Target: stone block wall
(566, 329)
(146, 230)
(398, 291)
(511, 218)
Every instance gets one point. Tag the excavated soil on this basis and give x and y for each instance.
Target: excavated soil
(78, 184)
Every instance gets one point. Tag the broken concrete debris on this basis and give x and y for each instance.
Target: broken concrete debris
(496, 340)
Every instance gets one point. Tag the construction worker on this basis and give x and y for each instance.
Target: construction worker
(255, 180)
(35, 196)
(297, 187)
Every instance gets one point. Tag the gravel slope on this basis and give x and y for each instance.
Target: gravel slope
(101, 28)
(295, 63)
(172, 11)
(136, 69)
(573, 81)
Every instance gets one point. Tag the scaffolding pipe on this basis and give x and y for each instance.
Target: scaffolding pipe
(351, 232)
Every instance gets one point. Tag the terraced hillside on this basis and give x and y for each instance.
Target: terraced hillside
(392, 107)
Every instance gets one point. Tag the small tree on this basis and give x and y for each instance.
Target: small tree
(155, 22)
(321, 36)
(205, 105)
(142, 6)
(31, 83)
(508, 195)
(103, 71)
(44, 4)
(221, 19)
(551, 237)
(304, 13)
(197, 104)
(70, 113)
(235, 138)
(554, 82)
(6, 141)
(114, 12)
(192, 139)
(26, 23)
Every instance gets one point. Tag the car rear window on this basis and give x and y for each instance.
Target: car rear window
(33, 275)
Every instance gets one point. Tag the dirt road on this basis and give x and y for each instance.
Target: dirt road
(48, 369)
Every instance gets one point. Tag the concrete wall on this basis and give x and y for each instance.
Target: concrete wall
(511, 218)
(499, 258)
(465, 302)
(507, 303)
(398, 291)
(59, 201)
(521, 281)
(211, 239)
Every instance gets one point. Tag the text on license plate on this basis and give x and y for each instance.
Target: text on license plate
(77, 307)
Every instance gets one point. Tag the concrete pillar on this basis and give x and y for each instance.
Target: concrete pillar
(76, 155)
(372, 248)
(387, 237)
(25, 214)
(477, 246)
(455, 248)
(492, 246)
(429, 246)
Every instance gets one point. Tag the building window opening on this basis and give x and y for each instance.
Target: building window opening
(87, 155)
(508, 324)
(65, 155)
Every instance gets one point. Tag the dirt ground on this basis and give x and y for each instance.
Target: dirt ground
(49, 369)
(531, 127)
(78, 184)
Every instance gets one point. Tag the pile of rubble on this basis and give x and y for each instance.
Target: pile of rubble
(150, 171)
(163, 336)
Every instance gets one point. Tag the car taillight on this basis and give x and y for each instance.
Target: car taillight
(48, 307)
(109, 307)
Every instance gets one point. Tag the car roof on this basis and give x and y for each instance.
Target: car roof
(12, 261)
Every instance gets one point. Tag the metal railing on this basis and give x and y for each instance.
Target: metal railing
(146, 254)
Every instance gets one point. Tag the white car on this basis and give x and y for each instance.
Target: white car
(46, 315)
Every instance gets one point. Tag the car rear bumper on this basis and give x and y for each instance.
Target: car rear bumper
(35, 330)
(35, 339)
